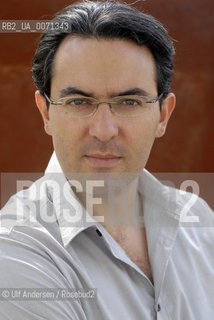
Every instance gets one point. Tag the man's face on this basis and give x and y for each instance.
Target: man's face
(103, 142)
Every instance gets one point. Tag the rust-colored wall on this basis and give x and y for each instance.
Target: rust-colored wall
(188, 143)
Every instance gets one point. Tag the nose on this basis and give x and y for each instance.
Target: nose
(103, 123)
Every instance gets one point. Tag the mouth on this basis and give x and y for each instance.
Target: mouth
(103, 160)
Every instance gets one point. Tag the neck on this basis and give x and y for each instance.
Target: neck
(115, 203)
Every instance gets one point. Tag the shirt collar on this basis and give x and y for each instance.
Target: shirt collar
(53, 165)
(161, 211)
(72, 217)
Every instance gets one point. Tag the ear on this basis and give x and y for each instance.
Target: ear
(168, 106)
(42, 106)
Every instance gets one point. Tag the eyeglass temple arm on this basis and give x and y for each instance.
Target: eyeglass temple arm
(51, 101)
(156, 99)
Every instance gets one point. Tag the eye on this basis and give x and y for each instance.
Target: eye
(130, 102)
(75, 101)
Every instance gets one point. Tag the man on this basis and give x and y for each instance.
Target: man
(98, 221)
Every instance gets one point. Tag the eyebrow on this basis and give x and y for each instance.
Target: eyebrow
(74, 90)
(132, 91)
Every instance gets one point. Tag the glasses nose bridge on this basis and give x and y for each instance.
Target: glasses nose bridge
(101, 102)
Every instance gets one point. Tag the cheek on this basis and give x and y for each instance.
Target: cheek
(143, 130)
(64, 126)
(66, 138)
(141, 138)
(66, 132)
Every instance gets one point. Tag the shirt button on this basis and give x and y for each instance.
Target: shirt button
(99, 233)
(158, 308)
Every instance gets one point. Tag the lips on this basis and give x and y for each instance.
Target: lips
(103, 156)
(102, 159)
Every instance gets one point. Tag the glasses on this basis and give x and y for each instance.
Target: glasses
(122, 106)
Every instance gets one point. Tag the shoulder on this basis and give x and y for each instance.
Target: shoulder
(176, 203)
(32, 256)
(193, 211)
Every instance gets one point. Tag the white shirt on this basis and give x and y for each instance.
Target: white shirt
(45, 242)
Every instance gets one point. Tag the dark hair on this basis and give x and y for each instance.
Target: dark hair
(106, 20)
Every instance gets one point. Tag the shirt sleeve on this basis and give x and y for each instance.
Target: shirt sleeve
(23, 266)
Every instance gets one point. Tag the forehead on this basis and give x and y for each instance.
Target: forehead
(103, 65)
